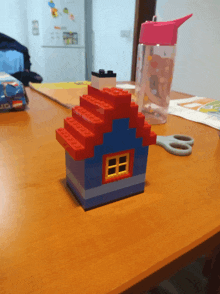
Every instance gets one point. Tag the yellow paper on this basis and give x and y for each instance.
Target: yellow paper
(62, 85)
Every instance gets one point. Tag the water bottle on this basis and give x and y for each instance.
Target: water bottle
(155, 64)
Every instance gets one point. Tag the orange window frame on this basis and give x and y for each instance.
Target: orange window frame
(105, 166)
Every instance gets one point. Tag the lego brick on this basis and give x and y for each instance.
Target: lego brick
(151, 140)
(76, 193)
(95, 82)
(120, 139)
(114, 196)
(88, 136)
(108, 112)
(79, 132)
(93, 175)
(100, 108)
(77, 168)
(103, 189)
(123, 110)
(140, 160)
(117, 96)
(103, 79)
(114, 186)
(110, 197)
(144, 132)
(106, 122)
(75, 183)
(83, 134)
(70, 144)
(88, 119)
(114, 96)
(140, 120)
(118, 178)
(100, 83)
(95, 93)
(133, 115)
(103, 74)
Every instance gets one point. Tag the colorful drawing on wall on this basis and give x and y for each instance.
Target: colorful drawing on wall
(70, 38)
(51, 4)
(54, 12)
(60, 28)
(71, 16)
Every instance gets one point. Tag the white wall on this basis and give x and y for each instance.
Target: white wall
(36, 52)
(16, 21)
(13, 20)
(111, 51)
(53, 64)
(197, 69)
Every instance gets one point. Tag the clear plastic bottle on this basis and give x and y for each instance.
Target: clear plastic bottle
(154, 71)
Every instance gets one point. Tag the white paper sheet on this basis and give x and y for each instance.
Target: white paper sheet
(125, 86)
(204, 112)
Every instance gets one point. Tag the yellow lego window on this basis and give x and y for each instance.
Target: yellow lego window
(117, 166)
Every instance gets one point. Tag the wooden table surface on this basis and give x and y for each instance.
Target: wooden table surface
(49, 244)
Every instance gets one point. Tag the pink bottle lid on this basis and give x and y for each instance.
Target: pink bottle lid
(163, 33)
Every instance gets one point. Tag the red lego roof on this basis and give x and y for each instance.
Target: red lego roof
(89, 121)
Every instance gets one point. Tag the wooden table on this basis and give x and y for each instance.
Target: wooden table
(49, 244)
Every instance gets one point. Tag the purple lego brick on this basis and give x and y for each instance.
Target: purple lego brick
(108, 197)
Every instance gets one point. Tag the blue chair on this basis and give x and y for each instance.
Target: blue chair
(11, 61)
(15, 60)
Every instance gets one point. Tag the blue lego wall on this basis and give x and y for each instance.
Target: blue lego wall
(107, 197)
(121, 138)
(77, 168)
(88, 172)
(85, 177)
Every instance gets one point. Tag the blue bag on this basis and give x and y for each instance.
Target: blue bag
(12, 93)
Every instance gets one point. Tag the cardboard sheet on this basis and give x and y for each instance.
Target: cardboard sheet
(66, 94)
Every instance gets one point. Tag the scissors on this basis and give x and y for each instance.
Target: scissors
(176, 144)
